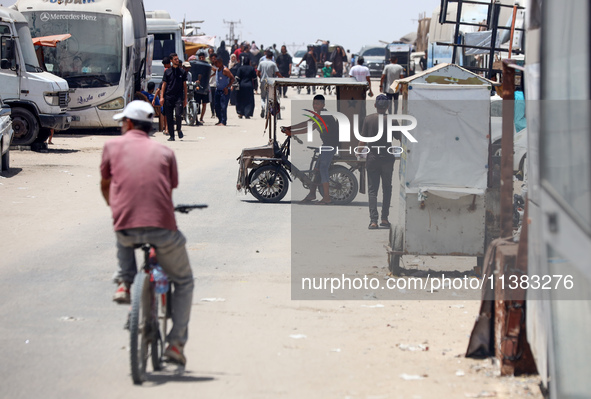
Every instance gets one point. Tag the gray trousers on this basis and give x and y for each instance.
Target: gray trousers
(381, 168)
(264, 97)
(172, 256)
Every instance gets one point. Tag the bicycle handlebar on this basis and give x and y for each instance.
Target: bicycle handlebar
(189, 208)
(293, 136)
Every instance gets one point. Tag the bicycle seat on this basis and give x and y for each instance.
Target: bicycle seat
(313, 148)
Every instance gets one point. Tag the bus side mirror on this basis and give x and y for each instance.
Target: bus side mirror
(7, 52)
(128, 34)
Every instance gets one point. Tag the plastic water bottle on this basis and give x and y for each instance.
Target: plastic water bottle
(160, 280)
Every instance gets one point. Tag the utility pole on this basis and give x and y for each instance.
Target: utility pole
(231, 37)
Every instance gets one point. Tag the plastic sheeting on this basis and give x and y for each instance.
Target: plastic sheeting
(452, 129)
(480, 39)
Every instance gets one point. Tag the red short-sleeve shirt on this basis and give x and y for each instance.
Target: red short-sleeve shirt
(143, 174)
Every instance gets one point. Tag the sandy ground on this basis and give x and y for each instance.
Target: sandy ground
(249, 339)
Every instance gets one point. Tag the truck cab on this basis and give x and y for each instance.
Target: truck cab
(402, 51)
(37, 98)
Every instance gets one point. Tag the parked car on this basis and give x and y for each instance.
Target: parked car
(6, 134)
(374, 57)
(519, 138)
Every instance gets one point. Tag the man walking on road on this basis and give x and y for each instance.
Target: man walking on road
(380, 163)
(266, 69)
(284, 63)
(223, 80)
(361, 73)
(138, 175)
(311, 66)
(174, 95)
(392, 72)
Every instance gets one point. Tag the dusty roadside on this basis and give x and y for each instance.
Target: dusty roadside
(248, 338)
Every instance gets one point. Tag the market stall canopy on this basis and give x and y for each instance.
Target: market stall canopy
(195, 43)
(443, 74)
(193, 48)
(202, 39)
(50, 41)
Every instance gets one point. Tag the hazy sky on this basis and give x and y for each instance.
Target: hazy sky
(350, 24)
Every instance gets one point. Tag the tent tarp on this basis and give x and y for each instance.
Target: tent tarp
(207, 40)
(50, 41)
(452, 133)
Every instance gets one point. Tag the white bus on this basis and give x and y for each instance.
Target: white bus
(104, 62)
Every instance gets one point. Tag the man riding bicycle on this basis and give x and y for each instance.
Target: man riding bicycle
(329, 133)
(137, 178)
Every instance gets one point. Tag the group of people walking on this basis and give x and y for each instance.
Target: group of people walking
(234, 80)
(244, 65)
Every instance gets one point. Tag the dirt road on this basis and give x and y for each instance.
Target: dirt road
(62, 336)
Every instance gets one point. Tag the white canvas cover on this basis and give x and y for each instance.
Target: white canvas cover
(452, 147)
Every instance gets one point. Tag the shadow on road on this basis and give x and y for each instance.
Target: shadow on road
(11, 172)
(163, 378)
(352, 204)
(59, 151)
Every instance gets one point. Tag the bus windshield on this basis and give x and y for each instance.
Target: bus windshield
(92, 57)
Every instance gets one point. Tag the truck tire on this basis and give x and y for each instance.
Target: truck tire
(25, 126)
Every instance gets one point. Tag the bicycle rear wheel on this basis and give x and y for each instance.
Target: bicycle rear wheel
(343, 185)
(139, 327)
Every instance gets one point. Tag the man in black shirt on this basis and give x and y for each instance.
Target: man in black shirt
(311, 68)
(173, 95)
(380, 162)
(284, 62)
(330, 142)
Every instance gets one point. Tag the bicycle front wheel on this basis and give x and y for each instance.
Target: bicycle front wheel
(139, 327)
(191, 113)
(160, 308)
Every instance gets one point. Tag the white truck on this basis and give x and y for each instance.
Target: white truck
(38, 99)
(167, 39)
(104, 61)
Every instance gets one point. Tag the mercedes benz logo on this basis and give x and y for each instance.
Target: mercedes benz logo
(44, 17)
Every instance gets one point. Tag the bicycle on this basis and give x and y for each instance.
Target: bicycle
(149, 314)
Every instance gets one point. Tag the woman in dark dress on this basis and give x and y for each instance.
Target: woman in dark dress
(245, 99)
